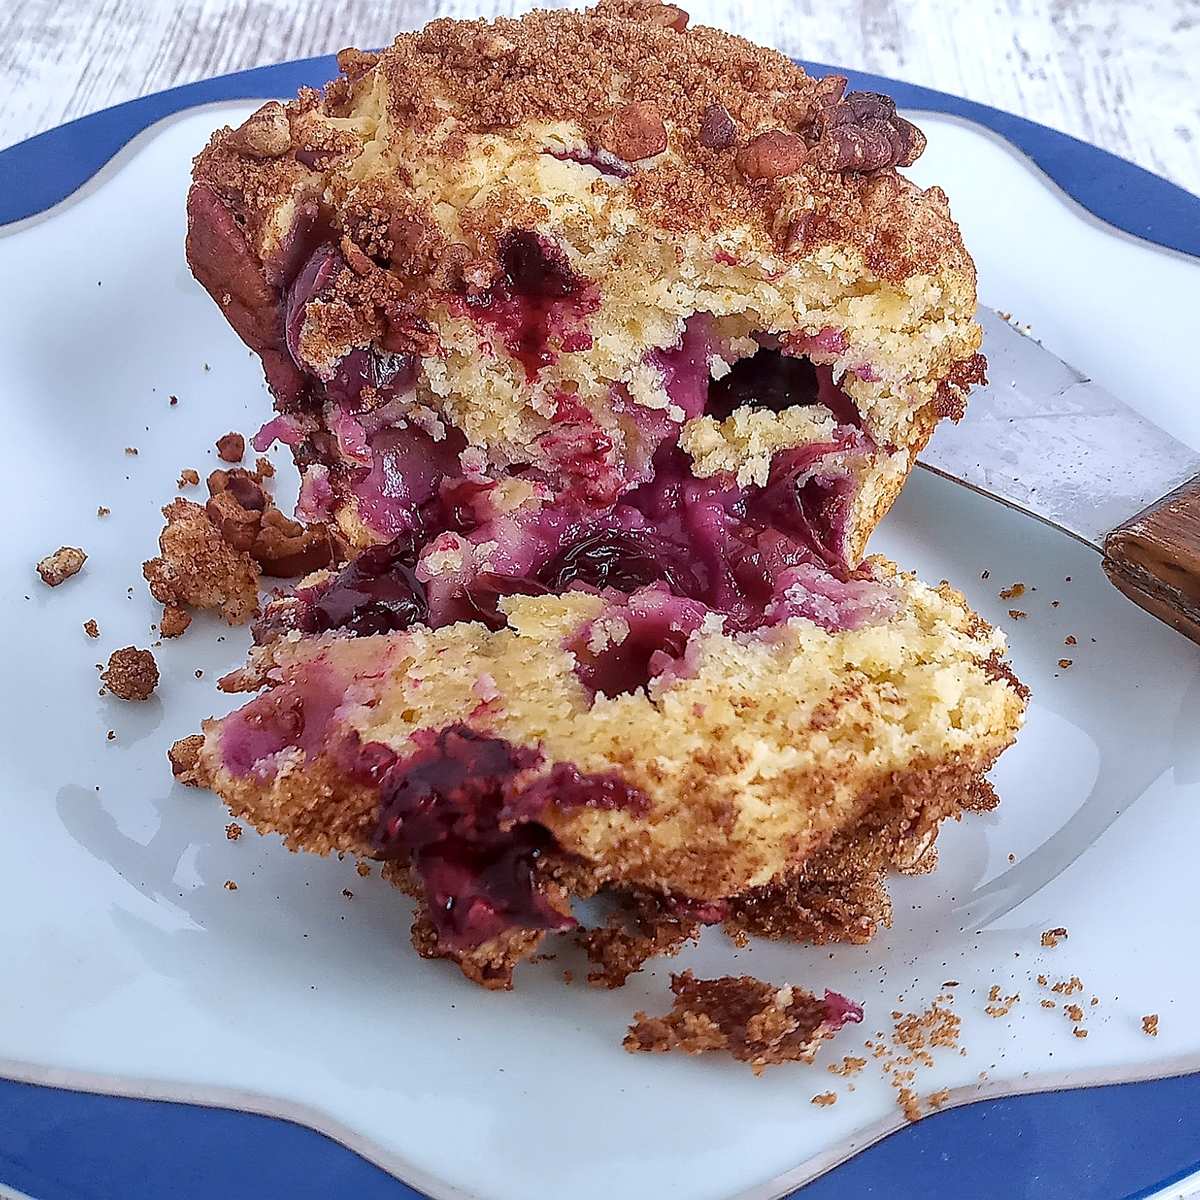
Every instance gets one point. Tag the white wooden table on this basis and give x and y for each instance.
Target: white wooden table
(1123, 74)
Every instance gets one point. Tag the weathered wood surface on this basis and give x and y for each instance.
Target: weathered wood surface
(1124, 75)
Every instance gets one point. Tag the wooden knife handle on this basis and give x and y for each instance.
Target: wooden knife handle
(1155, 559)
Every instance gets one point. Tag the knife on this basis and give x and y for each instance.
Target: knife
(1046, 440)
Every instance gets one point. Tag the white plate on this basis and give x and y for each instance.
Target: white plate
(125, 957)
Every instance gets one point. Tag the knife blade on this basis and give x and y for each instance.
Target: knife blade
(1043, 438)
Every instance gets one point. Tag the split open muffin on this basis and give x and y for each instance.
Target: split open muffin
(604, 343)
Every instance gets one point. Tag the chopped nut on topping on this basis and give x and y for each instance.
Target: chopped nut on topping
(668, 16)
(132, 674)
(266, 133)
(58, 567)
(231, 448)
(1150, 1024)
(717, 130)
(285, 549)
(862, 133)
(184, 756)
(771, 155)
(91, 629)
(635, 131)
(188, 478)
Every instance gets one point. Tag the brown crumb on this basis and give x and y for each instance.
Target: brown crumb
(1068, 987)
(753, 1021)
(1052, 937)
(1064, 663)
(348, 893)
(1074, 1012)
(233, 831)
(906, 1098)
(1013, 593)
(111, 735)
(363, 869)
(184, 757)
(1004, 1007)
(1080, 1033)
(91, 629)
(199, 569)
(1048, 1004)
(230, 886)
(187, 478)
(231, 448)
(175, 621)
(58, 567)
(993, 995)
(938, 1099)
(1069, 640)
(1043, 980)
(1150, 1024)
(132, 674)
(825, 1099)
(1017, 614)
(848, 1066)
(1094, 1001)
(264, 468)
(102, 511)
(131, 450)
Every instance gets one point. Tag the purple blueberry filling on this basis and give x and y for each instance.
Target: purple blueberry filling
(538, 306)
(378, 592)
(635, 642)
(461, 809)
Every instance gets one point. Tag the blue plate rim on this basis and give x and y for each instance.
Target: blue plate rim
(42, 172)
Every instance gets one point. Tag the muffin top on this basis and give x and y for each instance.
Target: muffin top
(694, 130)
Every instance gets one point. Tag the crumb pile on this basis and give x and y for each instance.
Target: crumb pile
(743, 1017)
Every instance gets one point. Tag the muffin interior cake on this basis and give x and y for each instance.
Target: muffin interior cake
(602, 344)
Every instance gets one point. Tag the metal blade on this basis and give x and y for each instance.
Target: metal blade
(1043, 438)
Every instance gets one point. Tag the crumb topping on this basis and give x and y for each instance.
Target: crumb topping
(58, 567)
(231, 448)
(132, 674)
(752, 1021)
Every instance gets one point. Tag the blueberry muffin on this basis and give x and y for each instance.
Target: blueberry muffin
(603, 343)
